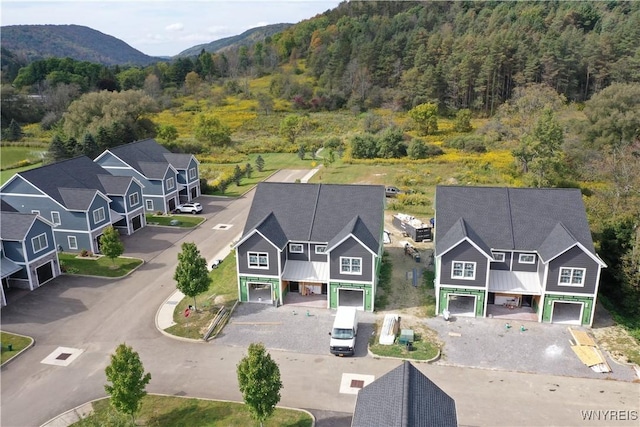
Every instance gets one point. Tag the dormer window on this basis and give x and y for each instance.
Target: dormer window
(321, 250)
(498, 256)
(527, 259)
(296, 248)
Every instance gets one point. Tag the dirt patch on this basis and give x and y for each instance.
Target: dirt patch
(618, 343)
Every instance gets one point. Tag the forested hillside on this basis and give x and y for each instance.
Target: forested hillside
(74, 41)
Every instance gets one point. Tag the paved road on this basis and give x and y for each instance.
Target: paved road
(95, 315)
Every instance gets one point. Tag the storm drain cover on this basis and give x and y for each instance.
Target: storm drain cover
(222, 227)
(62, 356)
(353, 383)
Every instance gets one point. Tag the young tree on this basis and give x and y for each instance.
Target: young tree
(417, 149)
(462, 122)
(265, 103)
(128, 380)
(211, 130)
(110, 244)
(191, 274)
(14, 131)
(248, 170)
(167, 133)
(237, 175)
(301, 152)
(259, 381)
(426, 117)
(291, 127)
(259, 163)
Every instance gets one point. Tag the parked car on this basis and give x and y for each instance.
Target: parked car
(392, 191)
(193, 208)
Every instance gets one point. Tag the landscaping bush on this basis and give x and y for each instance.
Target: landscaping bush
(469, 143)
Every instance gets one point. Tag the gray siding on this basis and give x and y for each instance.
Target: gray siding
(256, 243)
(506, 265)
(576, 258)
(351, 248)
(464, 252)
(13, 251)
(317, 257)
(304, 256)
(517, 266)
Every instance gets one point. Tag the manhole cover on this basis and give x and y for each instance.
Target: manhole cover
(357, 383)
(222, 227)
(63, 356)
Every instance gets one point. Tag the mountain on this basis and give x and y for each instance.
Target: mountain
(245, 39)
(73, 41)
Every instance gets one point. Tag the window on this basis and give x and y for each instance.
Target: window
(350, 265)
(55, 218)
(571, 276)
(192, 173)
(98, 215)
(527, 259)
(498, 256)
(39, 243)
(73, 242)
(296, 248)
(463, 270)
(35, 212)
(149, 204)
(321, 249)
(170, 184)
(258, 260)
(134, 199)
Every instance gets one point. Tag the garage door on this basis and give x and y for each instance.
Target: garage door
(172, 204)
(351, 298)
(136, 222)
(567, 313)
(44, 273)
(194, 192)
(462, 305)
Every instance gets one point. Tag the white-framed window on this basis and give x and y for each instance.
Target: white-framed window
(170, 184)
(192, 173)
(39, 243)
(527, 258)
(570, 276)
(258, 260)
(98, 215)
(35, 211)
(463, 270)
(134, 199)
(350, 265)
(498, 256)
(321, 249)
(55, 218)
(149, 204)
(73, 242)
(296, 248)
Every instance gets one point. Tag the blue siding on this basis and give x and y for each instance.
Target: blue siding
(117, 204)
(38, 228)
(134, 188)
(20, 186)
(110, 160)
(464, 252)
(256, 243)
(193, 164)
(83, 239)
(98, 202)
(575, 258)
(13, 251)
(351, 248)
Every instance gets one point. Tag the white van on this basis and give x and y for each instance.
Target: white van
(343, 334)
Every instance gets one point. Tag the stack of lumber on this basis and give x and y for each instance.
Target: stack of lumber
(588, 352)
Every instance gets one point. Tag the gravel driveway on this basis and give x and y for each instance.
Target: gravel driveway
(541, 348)
(289, 328)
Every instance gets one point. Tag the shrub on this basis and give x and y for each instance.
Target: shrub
(469, 143)
(84, 253)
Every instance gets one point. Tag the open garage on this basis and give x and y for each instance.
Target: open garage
(351, 298)
(259, 292)
(461, 305)
(569, 313)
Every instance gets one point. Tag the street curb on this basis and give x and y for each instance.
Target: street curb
(167, 334)
(433, 359)
(15, 356)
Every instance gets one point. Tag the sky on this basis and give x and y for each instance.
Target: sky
(163, 27)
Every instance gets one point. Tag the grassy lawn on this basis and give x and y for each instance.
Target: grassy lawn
(223, 291)
(17, 342)
(173, 411)
(102, 266)
(423, 348)
(183, 220)
(10, 155)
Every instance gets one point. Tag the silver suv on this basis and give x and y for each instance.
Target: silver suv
(193, 208)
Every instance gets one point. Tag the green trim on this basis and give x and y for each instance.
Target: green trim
(368, 294)
(550, 299)
(244, 291)
(480, 295)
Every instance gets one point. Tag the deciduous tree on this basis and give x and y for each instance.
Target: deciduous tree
(191, 275)
(291, 127)
(259, 381)
(128, 380)
(110, 244)
(425, 116)
(211, 130)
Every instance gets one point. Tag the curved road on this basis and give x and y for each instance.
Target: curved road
(96, 315)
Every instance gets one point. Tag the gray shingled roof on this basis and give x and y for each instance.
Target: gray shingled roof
(150, 158)
(320, 212)
(72, 183)
(6, 207)
(404, 397)
(513, 218)
(15, 226)
(116, 185)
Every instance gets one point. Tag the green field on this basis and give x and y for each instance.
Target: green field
(14, 155)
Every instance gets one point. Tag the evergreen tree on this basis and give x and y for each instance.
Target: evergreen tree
(14, 131)
(301, 152)
(89, 146)
(259, 163)
(248, 170)
(259, 381)
(110, 244)
(58, 149)
(191, 274)
(237, 175)
(128, 381)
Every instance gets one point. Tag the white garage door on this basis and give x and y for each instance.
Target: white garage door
(567, 313)
(351, 298)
